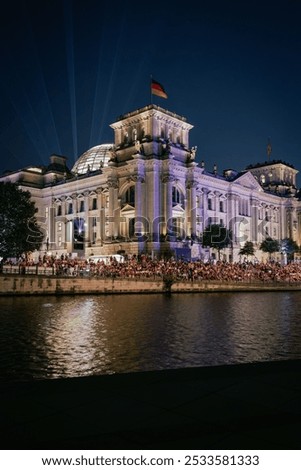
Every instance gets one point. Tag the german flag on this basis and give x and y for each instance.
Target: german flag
(157, 89)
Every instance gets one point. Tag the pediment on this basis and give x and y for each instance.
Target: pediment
(127, 208)
(247, 180)
(178, 208)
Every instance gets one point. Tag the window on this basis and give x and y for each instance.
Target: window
(221, 206)
(210, 204)
(176, 196)
(59, 210)
(94, 203)
(78, 233)
(129, 196)
(131, 227)
(94, 221)
(82, 206)
(70, 208)
(243, 207)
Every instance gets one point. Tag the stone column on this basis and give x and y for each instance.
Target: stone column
(100, 218)
(298, 238)
(153, 198)
(139, 198)
(74, 204)
(63, 199)
(254, 220)
(87, 218)
(191, 188)
(216, 207)
(113, 186)
(167, 180)
(52, 225)
(233, 216)
(199, 211)
(204, 202)
(290, 214)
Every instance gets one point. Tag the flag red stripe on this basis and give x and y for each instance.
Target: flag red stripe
(158, 89)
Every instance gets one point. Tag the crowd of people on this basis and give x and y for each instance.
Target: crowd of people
(144, 267)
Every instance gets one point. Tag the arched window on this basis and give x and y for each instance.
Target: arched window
(134, 135)
(177, 197)
(129, 196)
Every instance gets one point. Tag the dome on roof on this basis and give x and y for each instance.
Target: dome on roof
(93, 159)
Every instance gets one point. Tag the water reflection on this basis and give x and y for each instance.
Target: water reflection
(72, 336)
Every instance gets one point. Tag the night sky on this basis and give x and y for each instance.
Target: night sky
(70, 68)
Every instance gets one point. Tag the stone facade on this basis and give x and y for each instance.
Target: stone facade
(145, 193)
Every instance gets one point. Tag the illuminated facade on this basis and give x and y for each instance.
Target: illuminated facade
(145, 193)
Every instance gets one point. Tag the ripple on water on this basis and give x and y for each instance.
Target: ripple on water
(84, 335)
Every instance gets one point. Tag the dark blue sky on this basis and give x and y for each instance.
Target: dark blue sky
(69, 68)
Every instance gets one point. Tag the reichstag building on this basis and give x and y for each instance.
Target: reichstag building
(145, 193)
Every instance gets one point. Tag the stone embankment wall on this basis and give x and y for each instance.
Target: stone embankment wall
(45, 285)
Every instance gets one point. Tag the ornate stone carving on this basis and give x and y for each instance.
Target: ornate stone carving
(113, 155)
(191, 184)
(137, 146)
(193, 153)
(136, 178)
(167, 178)
(112, 183)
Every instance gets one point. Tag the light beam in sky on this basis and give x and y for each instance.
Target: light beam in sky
(71, 77)
(97, 96)
(116, 59)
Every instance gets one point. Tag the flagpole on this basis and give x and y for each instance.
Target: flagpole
(151, 93)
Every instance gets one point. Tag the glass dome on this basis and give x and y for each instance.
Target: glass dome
(93, 159)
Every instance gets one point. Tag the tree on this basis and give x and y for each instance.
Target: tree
(247, 250)
(216, 236)
(19, 232)
(289, 246)
(269, 245)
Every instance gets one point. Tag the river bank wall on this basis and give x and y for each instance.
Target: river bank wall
(45, 285)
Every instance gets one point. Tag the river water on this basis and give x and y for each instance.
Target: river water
(68, 336)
